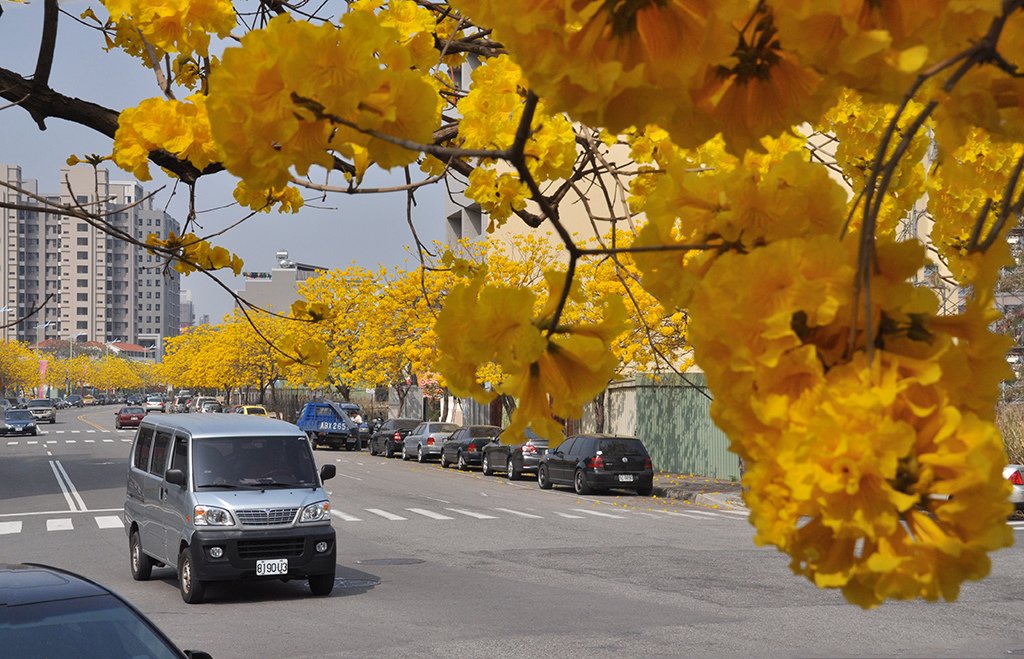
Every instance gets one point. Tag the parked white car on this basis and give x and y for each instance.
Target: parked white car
(155, 404)
(424, 442)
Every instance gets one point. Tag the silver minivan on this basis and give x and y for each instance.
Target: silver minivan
(228, 497)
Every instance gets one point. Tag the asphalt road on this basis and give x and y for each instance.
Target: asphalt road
(440, 563)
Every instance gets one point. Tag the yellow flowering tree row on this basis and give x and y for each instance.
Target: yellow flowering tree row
(747, 164)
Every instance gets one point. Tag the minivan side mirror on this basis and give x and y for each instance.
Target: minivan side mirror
(176, 477)
(327, 472)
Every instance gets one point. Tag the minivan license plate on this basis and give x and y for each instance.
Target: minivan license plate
(625, 478)
(270, 568)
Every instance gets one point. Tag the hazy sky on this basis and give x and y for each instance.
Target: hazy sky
(364, 229)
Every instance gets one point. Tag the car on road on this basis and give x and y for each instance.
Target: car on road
(75, 400)
(425, 440)
(225, 498)
(129, 416)
(251, 410)
(43, 409)
(19, 422)
(196, 404)
(212, 407)
(87, 400)
(514, 459)
(465, 446)
(387, 440)
(50, 612)
(597, 462)
(327, 424)
(1015, 474)
(155, 404)
(61, 403)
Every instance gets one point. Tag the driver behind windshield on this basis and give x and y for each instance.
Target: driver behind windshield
(253, 462)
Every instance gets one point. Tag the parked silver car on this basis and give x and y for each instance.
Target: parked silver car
(1015, 474)
(227, 497)
(424, 442)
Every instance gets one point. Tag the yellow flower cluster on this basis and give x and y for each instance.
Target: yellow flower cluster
(491, 113)
(744, 68)
(191, 253)
(492, 328)
(170, 26)
(294, 94)
(287, 199)
(181, 128)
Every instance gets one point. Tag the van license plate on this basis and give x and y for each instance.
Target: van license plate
(270, 568)
(625, 478)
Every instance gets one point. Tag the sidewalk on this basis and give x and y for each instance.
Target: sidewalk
(712, 492)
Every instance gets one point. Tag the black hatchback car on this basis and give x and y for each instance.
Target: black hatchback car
(48, 612)
(387, 440)
(594, 462)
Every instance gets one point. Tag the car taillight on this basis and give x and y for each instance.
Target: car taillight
(1016, 479)
(471, 448)
(397, 437)
(596, 462)
(648, 464)
(529, 448)
(430, 441)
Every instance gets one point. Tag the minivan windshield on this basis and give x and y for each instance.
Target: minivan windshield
(253, 462)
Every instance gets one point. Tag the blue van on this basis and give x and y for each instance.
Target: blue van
(327, 424)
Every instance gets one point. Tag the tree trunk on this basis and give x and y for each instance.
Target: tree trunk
(444, 404)
(599, 412)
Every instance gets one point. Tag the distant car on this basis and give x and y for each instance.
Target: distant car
(466, 445)
(196, 404)
(515, 459)
(88, 399)
(595, 462)
(252, 410)
(129, 416)
(1015, 474)
(387, 440)
(212, 406)
(155, 404)
(327, 424)
(49, 612)
(43, 409)
(74, 400)
(19, 422)
(424, 442)
(61, 403)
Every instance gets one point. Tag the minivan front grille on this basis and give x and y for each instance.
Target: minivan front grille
(281, 548)
(266, 516)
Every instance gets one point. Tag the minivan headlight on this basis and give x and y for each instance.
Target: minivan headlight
(209, 516)
(316, 512)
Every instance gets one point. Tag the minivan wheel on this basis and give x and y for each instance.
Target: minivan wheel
(485, 466)
(141, 564)
(192, 589)
(542, 478)
(321, 585)
(581, 483)
(510, 471)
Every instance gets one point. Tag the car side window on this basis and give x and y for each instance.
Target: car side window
(458, 435)
(418, 430)
(161, 446)
(579, 447)
(566, 447)
(179, 456)
(145, 441)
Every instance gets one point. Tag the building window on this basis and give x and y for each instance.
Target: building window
(82, 311)
(157, 306)
(82, 297)
(82, 241)
(82, 283)
(83, 269)
(82, 226)
(82, 255)
(82, 324)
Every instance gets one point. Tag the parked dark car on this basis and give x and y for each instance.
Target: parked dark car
(19, 422)
(129, 416)
(465, 447)
(75, 400)
(387, 441)
(515, 459)
(595, 462)
(49, 612)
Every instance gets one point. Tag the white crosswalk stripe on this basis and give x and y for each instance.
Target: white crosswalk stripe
(68, 441)
(598, 513)
(7, 528)
(90, 431)
(386, 515)
(470, 513)
(90, 441)
(345, 517)
(518, 513)
(62, 524)
(75, 432)
(107, 441)
(428, 513)
(109, 522)
(12, 443)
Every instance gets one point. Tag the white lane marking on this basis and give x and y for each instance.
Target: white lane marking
(63, 524)
(127, 441)
(50, 441)
(90, 441)
(109, 522)
(436, 499)
(483, 494)
(428, 513)
(598, 513)
(107, 440)
(70, 441)
(32, 442)
(345, 517)
(521, 514)
(744, 513)
(640, 512)
(470, 513)
(12, 443)
(686, 515)
(71, 486)
(63, 487)
(360, 464)
(75, 432)
(62, 512)
(48, 453)
(568, 516)
(90, 431)
(10, 527)
(699, 512)
(386, 515)
(59, 432)
(355, 478)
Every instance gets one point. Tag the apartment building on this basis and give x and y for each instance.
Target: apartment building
(98, 283)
